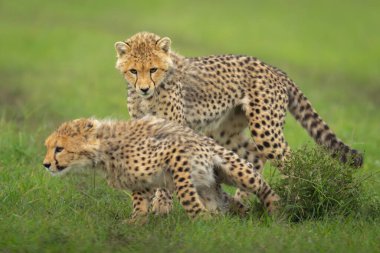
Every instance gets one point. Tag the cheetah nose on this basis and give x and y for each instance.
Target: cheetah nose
(47, 165)
(144, 90)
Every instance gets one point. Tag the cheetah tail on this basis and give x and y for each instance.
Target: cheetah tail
(302, 110)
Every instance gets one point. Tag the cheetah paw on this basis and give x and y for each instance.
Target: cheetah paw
(159, 208)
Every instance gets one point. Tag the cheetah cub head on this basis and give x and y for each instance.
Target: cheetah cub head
(144, 60)
(71, 147)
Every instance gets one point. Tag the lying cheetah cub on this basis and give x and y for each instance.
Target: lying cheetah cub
(149, 153)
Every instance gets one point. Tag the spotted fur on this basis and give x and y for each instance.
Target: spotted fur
(149, 153)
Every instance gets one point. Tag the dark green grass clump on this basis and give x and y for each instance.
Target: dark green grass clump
(317, 186)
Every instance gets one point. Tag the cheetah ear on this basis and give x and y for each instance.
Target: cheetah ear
(164, 44)
(121, 48)
(85, 127)
(84, 124)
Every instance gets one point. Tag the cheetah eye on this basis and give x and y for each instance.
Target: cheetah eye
(58, 150)
(152, 70)
(133, 71)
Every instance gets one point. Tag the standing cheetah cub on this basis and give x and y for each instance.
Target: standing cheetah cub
(220, 96)
(149, 153)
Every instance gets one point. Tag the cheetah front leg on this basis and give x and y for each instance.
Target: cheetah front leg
(162, 202)
(184, 187)
(141, 202)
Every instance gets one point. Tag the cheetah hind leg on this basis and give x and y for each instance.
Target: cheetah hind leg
(239, 173)
(235, 206)
(244, 197)
(185, 190)
(232, 137)
(245, 148)
(267, 137)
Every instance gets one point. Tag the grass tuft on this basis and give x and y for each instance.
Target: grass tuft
(317, 186)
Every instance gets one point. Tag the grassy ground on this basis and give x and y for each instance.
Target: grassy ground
(57, 63)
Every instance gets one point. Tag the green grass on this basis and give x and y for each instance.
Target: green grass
(57, 63)
(317, 186)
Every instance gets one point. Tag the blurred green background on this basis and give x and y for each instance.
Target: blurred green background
(57, 63)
